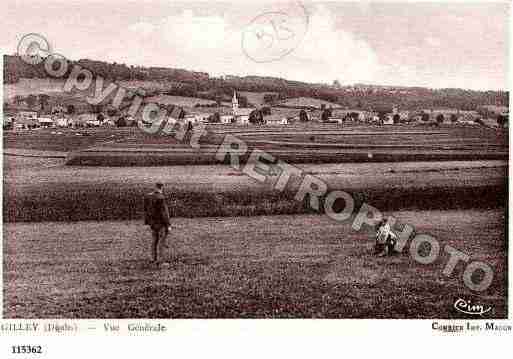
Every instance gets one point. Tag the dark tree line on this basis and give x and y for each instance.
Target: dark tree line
(199, 84)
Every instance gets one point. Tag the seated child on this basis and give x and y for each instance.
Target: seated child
(385, 239)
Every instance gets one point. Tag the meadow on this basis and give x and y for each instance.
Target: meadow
(64, 140)
(309, 143)
(75, 245)
(178, 100)
(74, 193)
(107, 173)
(305, 266)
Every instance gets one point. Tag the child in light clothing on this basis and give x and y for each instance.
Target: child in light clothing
(385, 239)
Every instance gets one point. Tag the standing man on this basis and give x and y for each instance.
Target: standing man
(156, 215)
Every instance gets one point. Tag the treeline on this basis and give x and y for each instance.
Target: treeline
(15, 68)
(181, 82)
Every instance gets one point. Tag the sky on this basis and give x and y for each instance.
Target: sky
(436, 45)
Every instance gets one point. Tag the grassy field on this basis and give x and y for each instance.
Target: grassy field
(301, 143)
(178, 100)
(255, 98)
(238, 248)
(254, 267)
(64, 139)
(25, 87)
(308, 144)
(55, 192)
(308, 102)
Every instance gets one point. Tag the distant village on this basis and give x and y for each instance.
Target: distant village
(21, 116)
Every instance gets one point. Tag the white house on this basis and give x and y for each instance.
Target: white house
(374, 118)
(388, 120)
(45, 122)
(338, 120)
(191, 119)
(61, 122)
(27, 114)
(466, 121)
(242, 116)
(93, 123)
(202, 117)
(130, 121)
(275, 120)
(25, 124)
(109, 123)
(227, 118)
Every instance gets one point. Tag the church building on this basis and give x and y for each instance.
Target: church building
(240, 115)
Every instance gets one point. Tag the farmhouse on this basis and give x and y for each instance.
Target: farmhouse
(191, 119)
(388, 119)
(45, 122)
(348, 115)
(467, 121)
(25, 124)
(338, 120)
(109, 123)
(227, 118)
(61, 122)
(202, 117)
(275, 120)
(27, 114)
(130, 121)
(81, 120)
(374, 118)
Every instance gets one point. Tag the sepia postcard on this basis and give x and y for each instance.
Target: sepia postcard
(273, 160)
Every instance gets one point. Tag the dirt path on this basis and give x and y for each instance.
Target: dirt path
(278, 266)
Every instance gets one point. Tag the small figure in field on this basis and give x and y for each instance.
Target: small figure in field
(385, 239)
(156, 215)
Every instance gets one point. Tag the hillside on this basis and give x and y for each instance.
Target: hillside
(300, 102)
(180, 82)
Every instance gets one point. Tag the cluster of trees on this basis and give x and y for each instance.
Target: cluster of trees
(257, 116)
(303, 116)
(273, 98)
(41, 100)
(326, 114)
(214, 118)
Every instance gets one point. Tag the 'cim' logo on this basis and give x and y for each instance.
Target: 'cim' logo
(465, 306)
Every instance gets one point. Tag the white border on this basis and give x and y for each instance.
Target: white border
(274, 338)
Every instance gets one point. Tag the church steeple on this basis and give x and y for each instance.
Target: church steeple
(235, 103)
